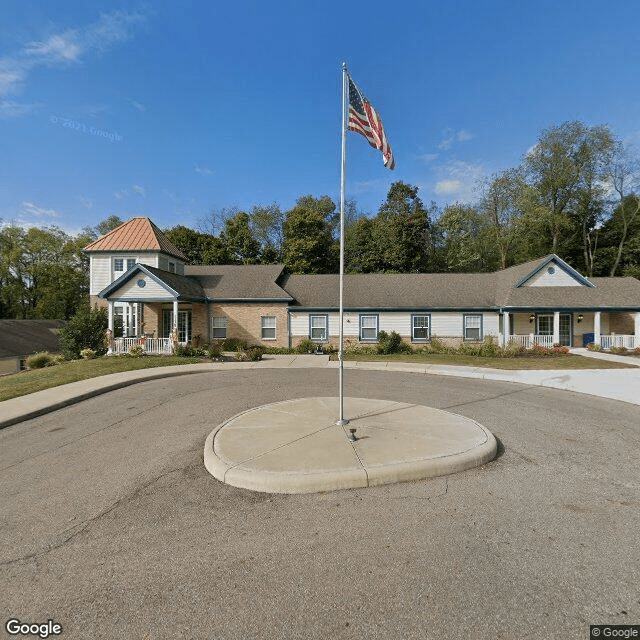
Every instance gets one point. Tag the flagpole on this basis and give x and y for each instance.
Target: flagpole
(342, 421)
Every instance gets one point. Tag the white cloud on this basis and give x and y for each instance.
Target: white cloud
(451, 136)
(13, 109)
(87, 203)
(67, 47)
(428, 157)
(460, 179)
(119, 195)
(30, 209)
(203, 171)
(448, 186)
(136, 188)
(138, 105)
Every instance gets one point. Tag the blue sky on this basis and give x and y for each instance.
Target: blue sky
(180, 108)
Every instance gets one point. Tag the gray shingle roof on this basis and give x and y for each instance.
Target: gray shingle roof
(186, 287)
(239, 282)
(24, 337)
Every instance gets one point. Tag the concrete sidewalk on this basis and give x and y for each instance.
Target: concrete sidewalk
(616, 384)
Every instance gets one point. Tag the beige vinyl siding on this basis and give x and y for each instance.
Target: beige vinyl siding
(490, 324)
(100, 267)
(151, 291)
(559, 278)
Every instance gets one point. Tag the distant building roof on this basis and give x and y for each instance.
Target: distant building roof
(138, 234)
(24, 337)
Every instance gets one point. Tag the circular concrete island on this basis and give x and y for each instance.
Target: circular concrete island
(295, 446)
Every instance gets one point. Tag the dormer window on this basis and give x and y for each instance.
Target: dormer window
(172, 267)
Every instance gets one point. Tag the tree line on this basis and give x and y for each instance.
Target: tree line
(574, 194)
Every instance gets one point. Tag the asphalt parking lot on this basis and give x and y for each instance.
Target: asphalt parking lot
(112, 527)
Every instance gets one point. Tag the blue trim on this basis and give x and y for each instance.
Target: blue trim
(127, 275)
(326, 326)
(377, 317)
(421, 315)
(474, 315)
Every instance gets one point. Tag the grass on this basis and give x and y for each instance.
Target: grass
(25, 382)
(548, 362)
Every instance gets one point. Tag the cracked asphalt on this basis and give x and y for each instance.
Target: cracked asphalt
(111, 526)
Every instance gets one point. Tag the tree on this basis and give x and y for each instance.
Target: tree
(405, 231)
(238, 240)
(266, 226)
(564, 171)
(198, 247)
(109, 224)
(85, 330)
(308, 244)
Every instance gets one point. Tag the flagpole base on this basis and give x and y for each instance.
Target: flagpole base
(342, 422)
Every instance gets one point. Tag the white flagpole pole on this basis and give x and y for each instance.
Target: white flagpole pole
(342, 421)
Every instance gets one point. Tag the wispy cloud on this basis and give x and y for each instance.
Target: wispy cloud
(203, 171)
(138, 105)
(136, 188)
(428, 157)
(451, 136)
(120, 195)
(62, 49)
(30, 209)
(87, 203)
(459, 178)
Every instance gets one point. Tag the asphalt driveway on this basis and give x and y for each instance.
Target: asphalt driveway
(112, 527)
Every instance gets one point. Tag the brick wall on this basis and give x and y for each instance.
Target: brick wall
(244, 321)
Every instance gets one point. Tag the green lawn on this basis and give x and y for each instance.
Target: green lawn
(522, 362)
(19, 384)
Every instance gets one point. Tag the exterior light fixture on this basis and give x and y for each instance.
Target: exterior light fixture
(580, 317)
(532, 317)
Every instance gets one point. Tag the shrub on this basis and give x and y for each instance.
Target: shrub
(57, 359)
(436, 345)
(233, 344)
(188, 351)
(618, 350)
(560, 350)
(306, 345)
(391, 343)
(88, 354)
(594, 347)
(252, 354)
(637, 351)
(136, 350)
(214, 350)
(85, 330)
(539, 351)
(40, 360)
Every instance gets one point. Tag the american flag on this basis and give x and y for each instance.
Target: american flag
(364, 119)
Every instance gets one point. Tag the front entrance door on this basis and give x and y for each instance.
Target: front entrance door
(184, 325)
(565, 329)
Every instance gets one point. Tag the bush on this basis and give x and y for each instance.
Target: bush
(40, 360)
(305, 346)
(560, 350)
(594, 347)
(88, 354)
(85, 330)
(391, 343)
(252, 354)
(188, 351)
(436, 345)
(618, 350)
(214, 350)
(136, 350)
(233, 344)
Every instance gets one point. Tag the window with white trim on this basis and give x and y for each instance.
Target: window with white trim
(268, 327)
(218, 327)
(318, 328)
(120, 265)
(368, 327)
(472, 327)
(420, 327)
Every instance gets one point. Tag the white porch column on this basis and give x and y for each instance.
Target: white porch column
(596, 327)
(636, 329)
(556, 327)
(110, 325)
(175, 317)
(506, 325)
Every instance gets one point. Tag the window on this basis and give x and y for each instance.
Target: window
(472, 327)
(268, 327)
(219, 327)
(318, 328)
(120, 265)
(172, 267)
(369, 327)
(545, 324)
(420, 327)
(184, 325)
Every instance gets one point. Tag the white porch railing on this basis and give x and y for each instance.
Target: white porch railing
(629, 342)
(158, 346)
(529, 341)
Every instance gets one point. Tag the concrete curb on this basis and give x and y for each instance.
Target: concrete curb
(606, 383)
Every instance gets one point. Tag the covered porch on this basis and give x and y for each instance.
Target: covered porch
(575, 328)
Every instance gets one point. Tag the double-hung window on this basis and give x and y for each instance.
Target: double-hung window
(268, 327)
(420, 327)
(472, 326)
(218, 327)
(368, 327)
(318, 329)
(120, 265)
